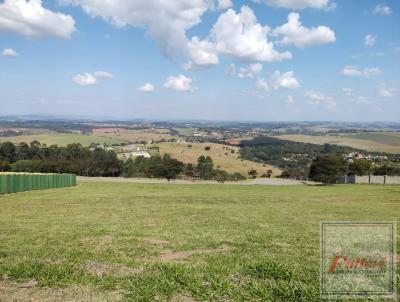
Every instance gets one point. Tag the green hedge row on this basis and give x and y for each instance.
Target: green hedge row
(19, 182)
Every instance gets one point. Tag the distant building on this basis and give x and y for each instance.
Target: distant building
(133, 154)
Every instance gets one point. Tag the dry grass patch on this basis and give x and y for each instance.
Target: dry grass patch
(133, 135)
(11, 291)
(168, 255)
(101, 269)
(224, 157)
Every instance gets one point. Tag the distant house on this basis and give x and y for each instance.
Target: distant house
(133, 154)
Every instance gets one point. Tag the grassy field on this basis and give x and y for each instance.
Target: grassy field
(133, 135)
(62, 139)
(222, 156)
(149, 242)
(372, 141)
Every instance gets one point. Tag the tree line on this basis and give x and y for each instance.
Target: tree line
(331, 168)
(86, 161)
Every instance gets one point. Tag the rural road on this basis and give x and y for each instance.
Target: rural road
(257, 181)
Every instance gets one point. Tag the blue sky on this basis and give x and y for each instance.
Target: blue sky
(201, 59)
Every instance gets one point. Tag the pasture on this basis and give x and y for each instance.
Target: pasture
(371, 141)
(62, 139)
(159, 242)
(222, 156)
(133, 135)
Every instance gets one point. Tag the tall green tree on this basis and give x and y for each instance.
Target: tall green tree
(359, 167)
(327, 168)
(205, 167)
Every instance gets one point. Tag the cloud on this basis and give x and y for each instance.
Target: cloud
(224, 4)
(295, 33)
(349, 92)
(179, 83)
(371, 72)
(385, 92)
(369, 40)
(147, 87)
(86, 79)
(201, 54)
(165, 21)
(351, 71)
(278, 81)
(9, 52)
(317, 98)
(240, 35)
(250, 71)
(301, 4)
(382, 9)
(367, 72)
(103, 74)
(31, 19)
(289, 100)
(90, 79)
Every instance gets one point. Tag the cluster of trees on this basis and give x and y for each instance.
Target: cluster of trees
(296, 157)
(167, 167)
(73, 158)
(331, 168)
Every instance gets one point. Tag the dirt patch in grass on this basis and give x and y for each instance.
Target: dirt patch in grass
(182, 298)
(10, 291)
(153, 241)
(101, 269)
(168, 255)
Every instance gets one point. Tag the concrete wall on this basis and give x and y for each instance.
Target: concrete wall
(373, 179)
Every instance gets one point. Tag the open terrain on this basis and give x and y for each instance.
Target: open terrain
(133, 135)
(62, 139)
(146, 242)
(224, 157)
(371, 141)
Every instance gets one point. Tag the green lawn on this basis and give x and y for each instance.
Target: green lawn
(146, 242)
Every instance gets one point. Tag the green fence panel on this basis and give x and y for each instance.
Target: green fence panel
(20, 182)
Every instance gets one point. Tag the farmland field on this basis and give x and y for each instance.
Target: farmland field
(62, 139)
(146, 242)
(222, 156)
(370, 141)
(133, 135)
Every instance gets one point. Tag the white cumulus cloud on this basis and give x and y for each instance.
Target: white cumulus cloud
(249, 71)
(382, 9)
(367, 72)
(241, 36)
(201, 54)
(31, 19)
(318, 98)
(351, 71)
(301, 4)
(224, 4)
(278, 81)
(89, 79)
(369, 40)
(103, 74)
(371, 72)
(9, 52)
(147, 87)
(179, 83)
(385, 91)
(295, 33)
(166, 21)
(86, 79)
